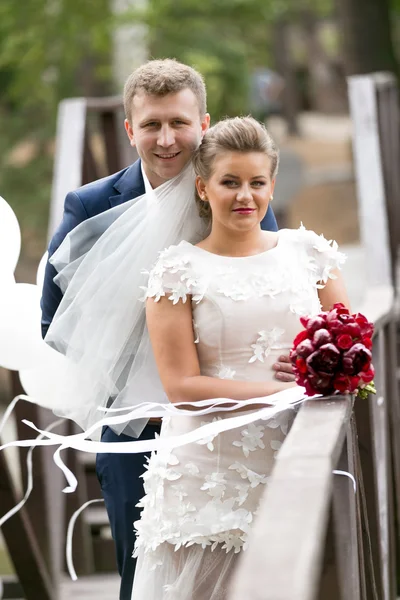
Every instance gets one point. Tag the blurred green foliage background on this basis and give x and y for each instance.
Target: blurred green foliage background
(53, 49)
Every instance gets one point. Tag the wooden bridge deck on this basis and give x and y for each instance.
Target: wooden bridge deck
(94, 587)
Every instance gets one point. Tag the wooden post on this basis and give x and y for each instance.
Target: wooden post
(345, 524)
(22, 545)
(370, 183)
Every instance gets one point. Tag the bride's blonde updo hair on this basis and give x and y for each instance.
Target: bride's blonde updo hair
(238, 134)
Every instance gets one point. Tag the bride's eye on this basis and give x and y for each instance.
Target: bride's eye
(229, 182)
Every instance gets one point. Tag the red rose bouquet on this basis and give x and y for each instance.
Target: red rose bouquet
(332, 355)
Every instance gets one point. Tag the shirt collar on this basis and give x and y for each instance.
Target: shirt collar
(147, 185)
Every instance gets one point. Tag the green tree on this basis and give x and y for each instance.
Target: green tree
(49, 50)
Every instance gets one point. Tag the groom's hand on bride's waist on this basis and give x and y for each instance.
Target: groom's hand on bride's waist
(283, 369)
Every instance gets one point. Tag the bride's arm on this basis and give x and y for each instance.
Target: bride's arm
(171, 334)
(334, 291)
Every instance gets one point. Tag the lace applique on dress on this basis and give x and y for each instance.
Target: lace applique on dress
(252, 438)
(266, 342)
(225, 373)
(323, 256)
(173, 276)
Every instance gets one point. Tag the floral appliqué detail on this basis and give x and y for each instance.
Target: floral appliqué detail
(215, 484)
(208, 440)
(245, 473)
(251, 439)
(265, 343)
(226, 373)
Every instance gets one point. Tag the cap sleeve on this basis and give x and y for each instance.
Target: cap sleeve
(171, 276)
(324, 255)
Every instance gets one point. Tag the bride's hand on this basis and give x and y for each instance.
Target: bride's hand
(283, 369)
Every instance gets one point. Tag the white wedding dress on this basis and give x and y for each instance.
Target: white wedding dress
(201, 498)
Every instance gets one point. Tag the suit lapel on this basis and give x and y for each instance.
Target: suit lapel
(130, 185)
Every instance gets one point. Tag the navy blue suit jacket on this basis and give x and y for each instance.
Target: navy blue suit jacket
(89, 201)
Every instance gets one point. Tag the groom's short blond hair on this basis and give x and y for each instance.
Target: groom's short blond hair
(162, 77)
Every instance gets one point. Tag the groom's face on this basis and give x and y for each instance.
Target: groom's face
(166, 130)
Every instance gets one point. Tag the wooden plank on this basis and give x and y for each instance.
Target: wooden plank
(37, 499)
(370, 182)
(368, 584)
(21, 543)
(299, 493)
(382, 460)
(394, 428)
(89, 167)
(329, 587)
(389, 127)
(345, 524)
(365, 432)
(110, 123)
(96, 587)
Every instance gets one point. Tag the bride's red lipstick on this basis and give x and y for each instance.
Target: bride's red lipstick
(244, 211)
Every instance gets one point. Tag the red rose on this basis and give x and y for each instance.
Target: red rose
(354, 383)
(300, 337)
(301, 365)
(321, 384)
(352, 329)
(366, 341)
(366, 327)
(305, 348)
(368, 376)
(345, 317)
(325, 360)
(344, 341)
(341, 384)
(304, 321)
(310, 391)
(346, 385)
(356, 359)
(321, 336)
(341, 309)
(335, 326)
(315, 323)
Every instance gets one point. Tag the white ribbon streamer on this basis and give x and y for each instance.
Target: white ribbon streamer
(70, 534)
(29, 467)
(349, 475)
(287, 399)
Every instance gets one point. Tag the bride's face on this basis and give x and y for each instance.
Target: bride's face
(239, 189)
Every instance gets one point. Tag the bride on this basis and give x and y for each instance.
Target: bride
(219, 313)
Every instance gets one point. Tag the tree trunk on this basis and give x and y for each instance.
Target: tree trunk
(367, 36)
(285, 67)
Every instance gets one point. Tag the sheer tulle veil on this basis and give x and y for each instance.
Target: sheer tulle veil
(100, 324)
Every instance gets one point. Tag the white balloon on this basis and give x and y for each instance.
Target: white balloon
(7, 280)
(10, 237)
(43, 382)
(21, 344)
(41, 270)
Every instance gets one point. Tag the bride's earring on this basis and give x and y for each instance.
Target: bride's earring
(271, 198)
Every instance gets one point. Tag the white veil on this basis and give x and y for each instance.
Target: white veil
(100, 324)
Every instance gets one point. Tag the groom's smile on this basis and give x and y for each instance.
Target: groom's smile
(165, 130)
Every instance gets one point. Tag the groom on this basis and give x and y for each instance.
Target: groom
(166, 118)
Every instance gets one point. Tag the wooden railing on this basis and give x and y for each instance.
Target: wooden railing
(315, 538)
